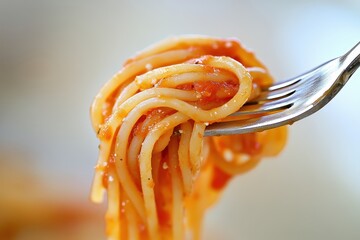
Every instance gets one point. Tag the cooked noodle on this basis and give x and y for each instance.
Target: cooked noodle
(159, 172)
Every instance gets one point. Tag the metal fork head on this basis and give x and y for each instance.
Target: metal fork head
(291, 100)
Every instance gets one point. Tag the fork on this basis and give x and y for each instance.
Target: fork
(291, 100)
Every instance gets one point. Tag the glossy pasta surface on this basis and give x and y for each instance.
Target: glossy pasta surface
(159, 172)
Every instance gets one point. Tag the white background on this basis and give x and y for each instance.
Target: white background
(55, 55)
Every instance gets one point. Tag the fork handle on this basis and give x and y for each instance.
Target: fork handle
(352, 61)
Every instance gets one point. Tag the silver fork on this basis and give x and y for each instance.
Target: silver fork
(291, 100)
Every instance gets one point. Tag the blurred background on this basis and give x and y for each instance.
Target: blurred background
(55, 55)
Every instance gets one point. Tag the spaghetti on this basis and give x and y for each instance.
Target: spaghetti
(159, 172)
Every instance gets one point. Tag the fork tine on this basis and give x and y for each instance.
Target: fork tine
(279, 90)
(247, 125)
(290, 101)
(273, 95)
(282, 84)
(266, 107)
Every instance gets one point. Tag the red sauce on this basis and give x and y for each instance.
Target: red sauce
(105, 133)
(220, 179)
(213, 91)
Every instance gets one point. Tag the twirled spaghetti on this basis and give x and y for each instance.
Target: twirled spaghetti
(159, 172)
